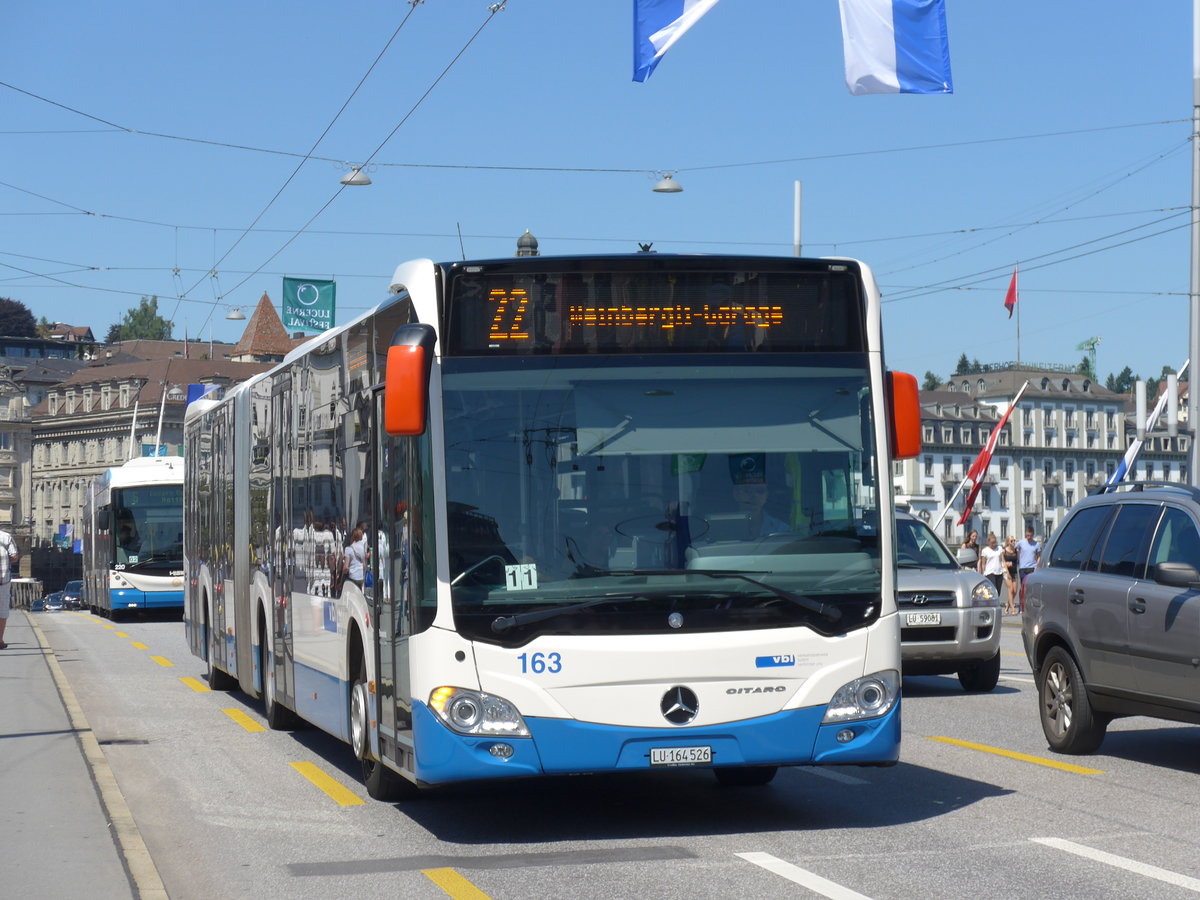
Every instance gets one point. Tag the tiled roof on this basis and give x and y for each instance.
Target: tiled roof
(265, 335)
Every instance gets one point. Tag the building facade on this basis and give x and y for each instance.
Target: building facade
(1067, 435)
(102, 416)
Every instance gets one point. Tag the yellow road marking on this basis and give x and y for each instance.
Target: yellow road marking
(194, 683)
(1023, 757)
(244, 720)
(138, 645)
(162, 661)
(340, 795)
(454, 884)
(109, 627)
(1012, 653)
(120, 634)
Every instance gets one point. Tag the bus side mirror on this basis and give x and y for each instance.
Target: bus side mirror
(904, 415)
(102, 519)
(406, 380)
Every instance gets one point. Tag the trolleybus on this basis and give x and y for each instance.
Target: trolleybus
(133, 537)
(611, 513)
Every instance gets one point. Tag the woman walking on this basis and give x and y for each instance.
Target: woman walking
(991, 564)
(1010, 575)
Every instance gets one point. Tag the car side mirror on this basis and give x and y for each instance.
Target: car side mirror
(1177, 574)
(967, 558)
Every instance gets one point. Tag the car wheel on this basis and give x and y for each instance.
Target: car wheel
(1068, 720)
(745, 776)
(981, 677)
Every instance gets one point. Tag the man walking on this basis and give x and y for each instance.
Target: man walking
(1029, 552)
(8, 564)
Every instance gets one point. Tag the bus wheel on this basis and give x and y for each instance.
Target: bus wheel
(745, 776)
(218, 680)
(278, 716)
(382, 783)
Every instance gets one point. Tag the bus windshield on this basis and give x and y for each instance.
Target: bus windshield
(148, 527)
(644, 494)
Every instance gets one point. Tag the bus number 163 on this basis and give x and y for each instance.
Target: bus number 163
(537, 663)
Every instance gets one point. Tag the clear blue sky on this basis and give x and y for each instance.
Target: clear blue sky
(548, 84)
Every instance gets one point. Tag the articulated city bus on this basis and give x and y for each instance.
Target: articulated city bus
(565, 515)
(133, 537)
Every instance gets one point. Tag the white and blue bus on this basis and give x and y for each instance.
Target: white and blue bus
(133, 537)
(609, 514)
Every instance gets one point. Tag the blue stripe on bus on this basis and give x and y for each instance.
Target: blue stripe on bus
(322, 700)
(134, 599)
(565, 746)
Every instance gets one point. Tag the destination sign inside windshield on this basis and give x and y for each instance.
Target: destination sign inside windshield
(612, 312)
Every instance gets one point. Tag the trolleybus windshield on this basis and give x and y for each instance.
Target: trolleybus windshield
(680, 493)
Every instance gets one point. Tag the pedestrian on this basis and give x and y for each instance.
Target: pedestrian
(991, 564)
(1029, 552)
(971, 541)
(1011, 578)
(355, 556)
(9, 557)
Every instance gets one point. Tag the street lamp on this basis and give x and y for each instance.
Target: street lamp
(668, 185)
(356, 176)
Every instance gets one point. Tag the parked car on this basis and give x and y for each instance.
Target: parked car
(53, 602)
(1112, 614)
(949, 616)
(37, 604)
(72, 595)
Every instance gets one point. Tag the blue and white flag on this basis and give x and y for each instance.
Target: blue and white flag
(657, 25)
(1129, 461)
(896, 47)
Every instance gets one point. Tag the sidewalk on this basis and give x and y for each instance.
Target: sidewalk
(58, 840)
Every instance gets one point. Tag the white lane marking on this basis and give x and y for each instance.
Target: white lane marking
(1017, 678)
(1121, 862)
(802, 877)
(832, 775)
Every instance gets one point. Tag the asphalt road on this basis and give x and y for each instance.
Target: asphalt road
(978, 807)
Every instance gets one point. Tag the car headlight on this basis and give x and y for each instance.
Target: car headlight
(864, 698)
(984, 595)
(474, 712)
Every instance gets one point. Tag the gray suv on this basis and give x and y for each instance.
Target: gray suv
(1112, 614)
(949, 616)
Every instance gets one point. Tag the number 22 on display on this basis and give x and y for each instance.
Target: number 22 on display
(537, 663)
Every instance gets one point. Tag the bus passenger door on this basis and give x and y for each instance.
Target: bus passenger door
(389, 563)
(285, 547)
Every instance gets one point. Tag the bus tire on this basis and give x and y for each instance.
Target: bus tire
(744, 776)
(278, 716)
(382, 783)
(218, 679)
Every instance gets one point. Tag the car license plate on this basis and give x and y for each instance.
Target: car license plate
(923, 619)
(680, 756)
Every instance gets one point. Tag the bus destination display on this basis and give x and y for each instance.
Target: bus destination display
(507, 313)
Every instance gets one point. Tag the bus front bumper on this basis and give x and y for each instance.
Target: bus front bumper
(566, 746)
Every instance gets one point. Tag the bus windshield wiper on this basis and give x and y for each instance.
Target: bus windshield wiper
(500, 624)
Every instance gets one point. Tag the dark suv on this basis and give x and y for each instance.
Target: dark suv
(1112, 614)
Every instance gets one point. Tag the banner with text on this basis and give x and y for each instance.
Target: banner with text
(308, 304)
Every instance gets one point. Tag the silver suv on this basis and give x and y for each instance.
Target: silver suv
(1112, 614)
(949, 616)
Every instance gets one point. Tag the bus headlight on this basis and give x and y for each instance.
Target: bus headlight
(474, 712)
(984, 595)
(864, 698)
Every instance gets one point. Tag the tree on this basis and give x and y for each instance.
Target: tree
(976, 366)
(43, 327)
(114, 333)
(142, 323)
(1121, 383)
(1085, 368)
(16, 320)
(931, 382)
(963, 367)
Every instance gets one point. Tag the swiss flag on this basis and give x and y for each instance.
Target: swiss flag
(1010, 299)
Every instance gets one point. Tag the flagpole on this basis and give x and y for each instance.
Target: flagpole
(1193, 405)
(1018, 305)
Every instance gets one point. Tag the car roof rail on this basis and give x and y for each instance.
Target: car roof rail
(1135, 486)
